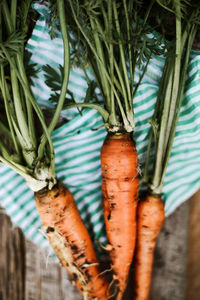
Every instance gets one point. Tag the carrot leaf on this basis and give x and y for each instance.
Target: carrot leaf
(22, 147)
(113, 38)
(171, 88)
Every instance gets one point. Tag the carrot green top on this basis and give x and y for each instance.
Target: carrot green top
(172, 86)
(22, 148)
(112, 37)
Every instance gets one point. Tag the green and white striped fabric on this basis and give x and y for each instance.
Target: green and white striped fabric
(77, 143)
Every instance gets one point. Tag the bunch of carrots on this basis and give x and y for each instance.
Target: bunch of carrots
(31, 154)
(150, 211)
(114, 38)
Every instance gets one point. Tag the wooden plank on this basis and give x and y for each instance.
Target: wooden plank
(43, 281)
(49, 281)
(169, 273)
(12, 260)
(193, 258)
(46, 279)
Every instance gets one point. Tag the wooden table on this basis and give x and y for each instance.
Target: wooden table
(26, 273)
(193, 256)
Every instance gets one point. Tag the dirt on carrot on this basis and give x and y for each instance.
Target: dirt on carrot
(120, 191)
(150, 218)
(70, 240)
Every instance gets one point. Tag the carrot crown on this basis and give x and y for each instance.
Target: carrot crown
(112, 37)
(170, 95)
(21, 147)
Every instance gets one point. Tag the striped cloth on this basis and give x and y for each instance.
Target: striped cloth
(77, 143)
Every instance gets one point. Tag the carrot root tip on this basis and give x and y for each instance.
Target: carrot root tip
(115, 289)
(89, 265)
(139, 170)
(109, 247)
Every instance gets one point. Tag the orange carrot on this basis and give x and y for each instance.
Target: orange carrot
(150, 218)
(120, 190)
(70, 240)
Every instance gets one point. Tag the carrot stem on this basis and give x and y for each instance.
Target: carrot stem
(65, 37)
(176, 78)
(20, 114)
(30, 122)
(101, 63)
(181, 91)
(13, 14)
(127, 95)
(150, 211)
(161, 139)
(6, 97)
(172, 96)
(128, 126)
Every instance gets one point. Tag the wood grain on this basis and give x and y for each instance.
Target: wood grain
(193, 257)
(169, 273)
(12, 260)
(27, 274)
(45, 278)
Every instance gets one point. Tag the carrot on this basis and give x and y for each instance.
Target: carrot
(150, 218)
(103, 33)
(120, 190)
(70, 240)
(150, 211)
(30, 152)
